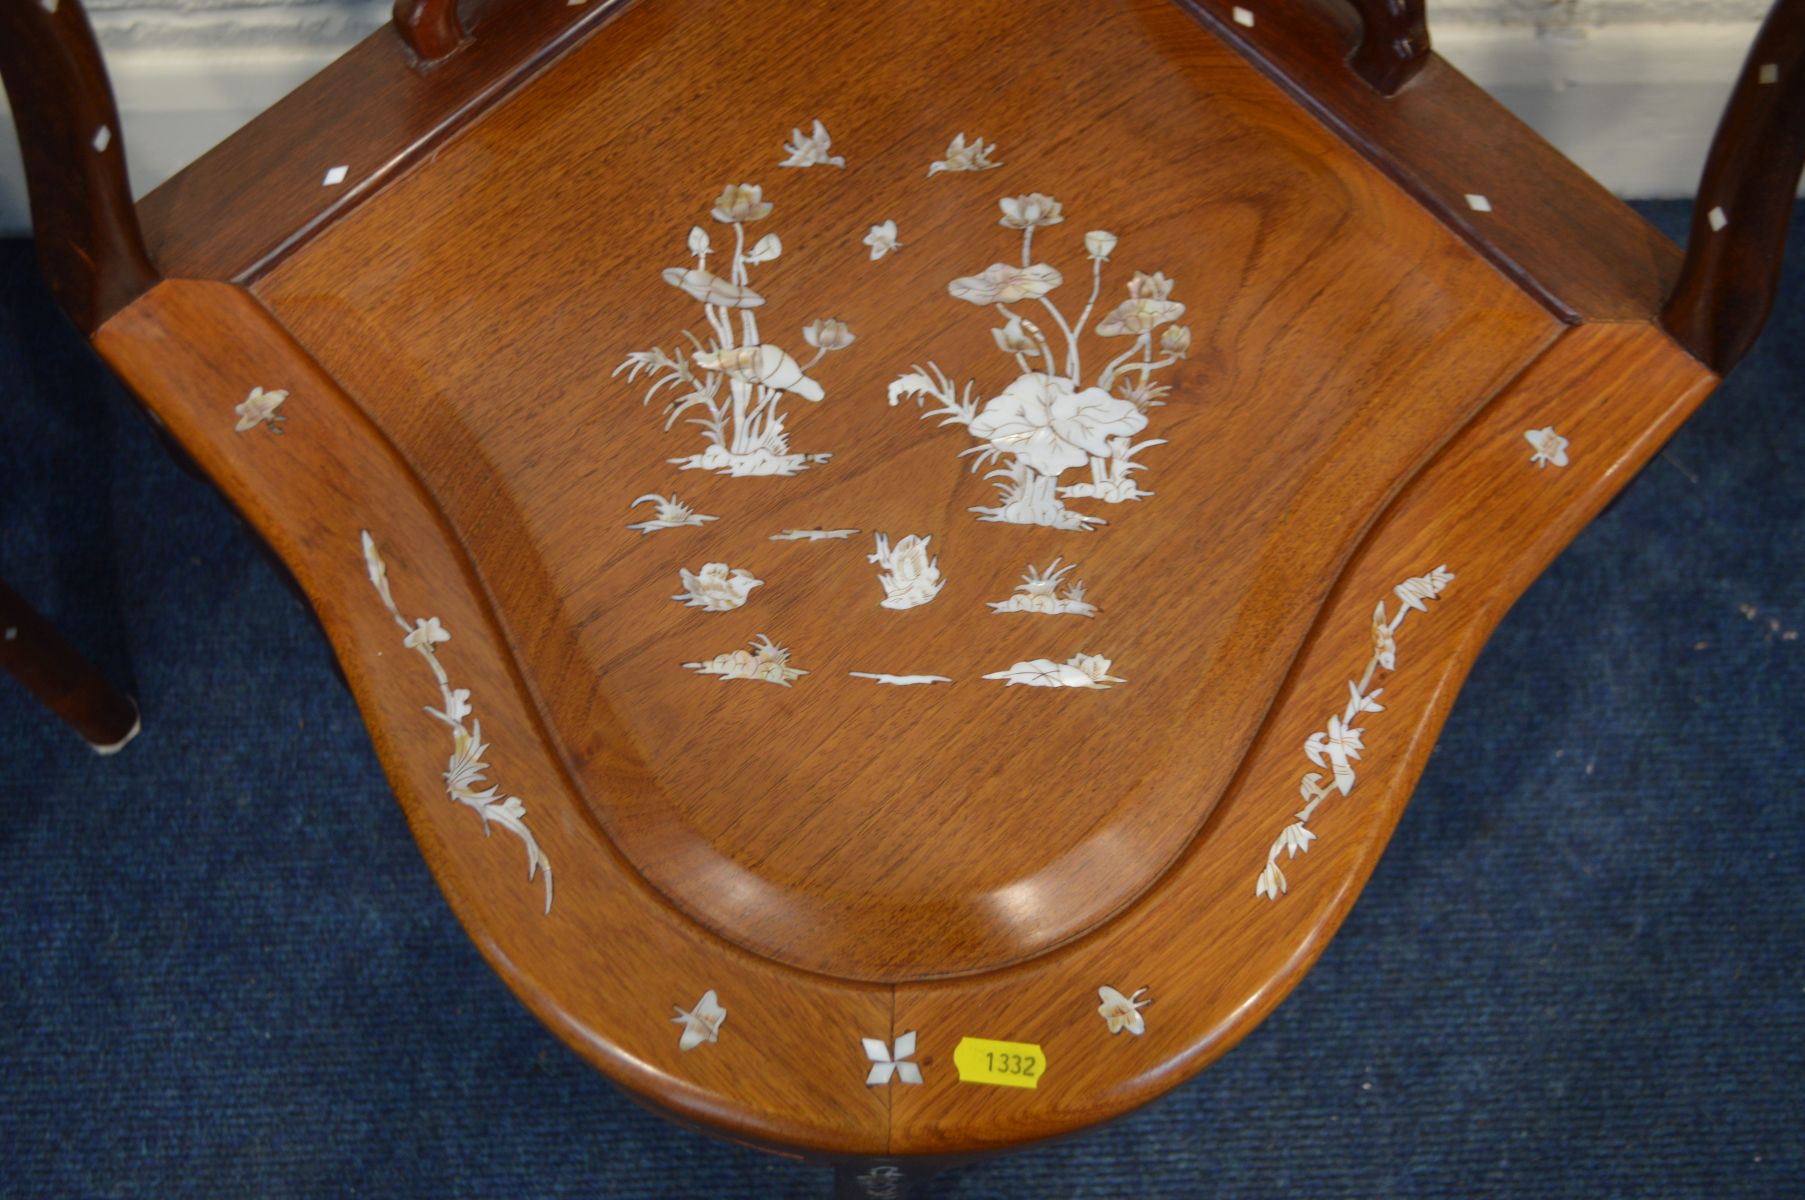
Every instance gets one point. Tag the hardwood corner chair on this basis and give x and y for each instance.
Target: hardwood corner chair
(867, 845)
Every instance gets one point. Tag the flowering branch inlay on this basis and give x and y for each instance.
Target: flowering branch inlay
(465, 775)
(1338, 745)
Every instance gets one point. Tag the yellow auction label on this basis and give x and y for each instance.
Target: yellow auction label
(1004, 1064)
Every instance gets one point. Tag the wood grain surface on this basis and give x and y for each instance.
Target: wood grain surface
(611, 947)
(1347, 335)
(1214, 956)
(841, 860)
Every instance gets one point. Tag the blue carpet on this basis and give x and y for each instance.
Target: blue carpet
(225, 971)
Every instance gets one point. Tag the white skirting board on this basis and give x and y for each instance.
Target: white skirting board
(1634, 104)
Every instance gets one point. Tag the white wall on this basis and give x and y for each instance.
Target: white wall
(185, 24)
(1630, 89)
(190, 24)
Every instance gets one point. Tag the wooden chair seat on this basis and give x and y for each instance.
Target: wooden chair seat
(956, 882)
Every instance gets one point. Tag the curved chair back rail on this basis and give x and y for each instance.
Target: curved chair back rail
(89, 242)
(1394, 43)
(1393, 46)
(94, 255)
(1745, 198)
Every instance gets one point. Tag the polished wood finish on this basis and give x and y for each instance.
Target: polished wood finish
(61, 677)
(1393, 334)
(838, 860)
(187, 349)
(431, 28)
(1394, 43)
(1745, 199)
(1215, 957)
(89, 243)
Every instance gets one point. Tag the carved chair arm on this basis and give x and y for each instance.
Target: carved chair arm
(1394, 41)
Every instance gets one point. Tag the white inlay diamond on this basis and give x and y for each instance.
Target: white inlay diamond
(884, 1064)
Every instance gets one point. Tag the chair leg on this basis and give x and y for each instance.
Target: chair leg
(34, 653)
